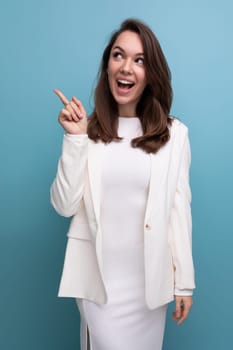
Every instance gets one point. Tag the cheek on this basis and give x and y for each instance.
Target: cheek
(141, 76)
(143, 83)
(144, 80)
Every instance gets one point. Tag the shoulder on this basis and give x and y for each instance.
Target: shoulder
(178, 125)
(179, 135)
(178, 128)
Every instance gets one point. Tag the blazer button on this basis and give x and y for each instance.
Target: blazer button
(148, 227)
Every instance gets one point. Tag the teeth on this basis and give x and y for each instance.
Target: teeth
(126, 82)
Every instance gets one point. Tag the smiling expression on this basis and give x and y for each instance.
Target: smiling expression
(126, 72)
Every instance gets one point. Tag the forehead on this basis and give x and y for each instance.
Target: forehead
(129, 42)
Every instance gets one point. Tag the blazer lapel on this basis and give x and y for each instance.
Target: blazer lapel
(95, 156)
(157, 186)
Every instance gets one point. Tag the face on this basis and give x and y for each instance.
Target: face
(126, 72)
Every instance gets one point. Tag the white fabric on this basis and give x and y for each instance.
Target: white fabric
(167, 225)
(124, 322)
(183, 292)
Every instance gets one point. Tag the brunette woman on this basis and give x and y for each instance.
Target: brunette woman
(124, 177)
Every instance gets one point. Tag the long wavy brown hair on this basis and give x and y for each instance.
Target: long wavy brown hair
(154, 105)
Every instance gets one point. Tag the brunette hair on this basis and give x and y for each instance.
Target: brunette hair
(154, 105)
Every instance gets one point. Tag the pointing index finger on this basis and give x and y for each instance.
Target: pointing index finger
(62, 97)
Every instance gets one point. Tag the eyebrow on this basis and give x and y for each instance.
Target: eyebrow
(121, 49)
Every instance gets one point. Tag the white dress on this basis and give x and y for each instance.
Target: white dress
(124, 322)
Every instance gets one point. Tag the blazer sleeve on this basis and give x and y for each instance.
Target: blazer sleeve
(180, 226)
(68, 186)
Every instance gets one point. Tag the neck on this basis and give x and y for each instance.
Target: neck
(127, 111)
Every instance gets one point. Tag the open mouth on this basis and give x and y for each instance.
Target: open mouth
(125, 84)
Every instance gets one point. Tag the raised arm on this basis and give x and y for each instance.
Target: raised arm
(68, 185)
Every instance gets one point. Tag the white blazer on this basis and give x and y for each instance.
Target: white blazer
(167, 226)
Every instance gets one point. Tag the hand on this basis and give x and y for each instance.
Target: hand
(73, 117)
(183, 306)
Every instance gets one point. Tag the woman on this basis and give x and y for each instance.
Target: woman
(124, 177)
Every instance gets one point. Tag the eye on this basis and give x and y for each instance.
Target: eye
(117, 55)
(140, 60)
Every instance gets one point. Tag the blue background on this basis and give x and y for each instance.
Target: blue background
(50, 44)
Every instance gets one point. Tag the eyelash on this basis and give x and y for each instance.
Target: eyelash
(116, 54)
(138, 60)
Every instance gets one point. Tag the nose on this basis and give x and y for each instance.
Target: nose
(126, 67)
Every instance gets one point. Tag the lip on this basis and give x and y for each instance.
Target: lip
(125, 79)
(123, 92)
